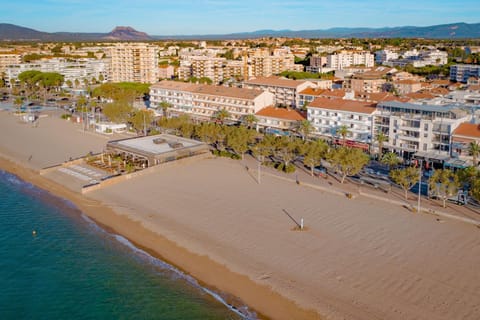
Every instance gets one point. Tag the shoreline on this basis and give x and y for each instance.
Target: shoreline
(236, 289)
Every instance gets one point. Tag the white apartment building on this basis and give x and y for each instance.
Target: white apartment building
(201, 102)
(284, 90)
(8, 58)
(382, 56)
(208, 67)
(266, 66)
(134, 62)
(328, 115)
(462, 72)
(419, 129)
(347, 59)
(420, 59)
(80, 69)
(216, 69)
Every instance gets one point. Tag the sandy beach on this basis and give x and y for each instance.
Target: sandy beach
(357, 259)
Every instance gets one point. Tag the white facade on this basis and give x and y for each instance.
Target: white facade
(284, 90)
(328, 115)
(347, 59)
(134, 62)
(81, 69)
(385, 55)
(7, 59)
(203, 101)
(419, 128)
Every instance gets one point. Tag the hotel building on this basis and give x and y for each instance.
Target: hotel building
(202, 102)
(328, 115)
(423, 130)
(134, 62)
(285, 90)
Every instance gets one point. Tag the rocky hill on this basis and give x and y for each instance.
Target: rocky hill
(126, 34)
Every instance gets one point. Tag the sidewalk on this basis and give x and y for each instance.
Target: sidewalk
(395, 196)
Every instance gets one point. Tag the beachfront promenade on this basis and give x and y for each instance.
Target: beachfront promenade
(357, 259)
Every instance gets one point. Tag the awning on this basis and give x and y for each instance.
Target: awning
(431, 156)
(456, 163)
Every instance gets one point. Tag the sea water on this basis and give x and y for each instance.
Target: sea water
(57, 264)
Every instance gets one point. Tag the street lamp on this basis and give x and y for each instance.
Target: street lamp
(419, 186)
(260, 159)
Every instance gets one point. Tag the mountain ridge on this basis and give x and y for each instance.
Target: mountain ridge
(460, 30)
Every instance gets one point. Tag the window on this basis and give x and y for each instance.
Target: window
(424, 147)
(425, 135)
(425, 127)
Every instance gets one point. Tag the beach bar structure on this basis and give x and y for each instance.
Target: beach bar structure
(157, 149)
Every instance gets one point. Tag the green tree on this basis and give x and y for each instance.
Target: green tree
(122, 90)
(304, 127)
(390, 159)
(69, 83)
(443, 184)
(141, 120)
(28, 80)
(249, 120)
(164, 105)
(381, 139)
(315, 151)
(348, 161)
(343, 132)
(118, 111)
(238, 139)
(77, 83)
(221, 115)
(474, 151)
(285, 149)
(475, 188)
(186, 127)
(206, 132)
(18, 102)
(265, 148)
(405, 178)
(82, 103)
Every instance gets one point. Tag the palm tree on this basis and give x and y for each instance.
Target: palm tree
(304, 127)
(381, 138)
(250, 120)
(18, 102)
(221, 115)
(343, 131)
(165, 106)
(390, 159)
(474, 151)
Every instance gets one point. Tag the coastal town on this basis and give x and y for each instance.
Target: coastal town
(276, 163)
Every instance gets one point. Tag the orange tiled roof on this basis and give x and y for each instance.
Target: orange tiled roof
(420, 95)
(378, 96)
(281, 113)
(467, 129)
(343, 105)
(231, 92)
(441, 82)
(440, 91)
(312, 91)
(339, 93)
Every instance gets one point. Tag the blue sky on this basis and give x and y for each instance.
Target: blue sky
(158, 17)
